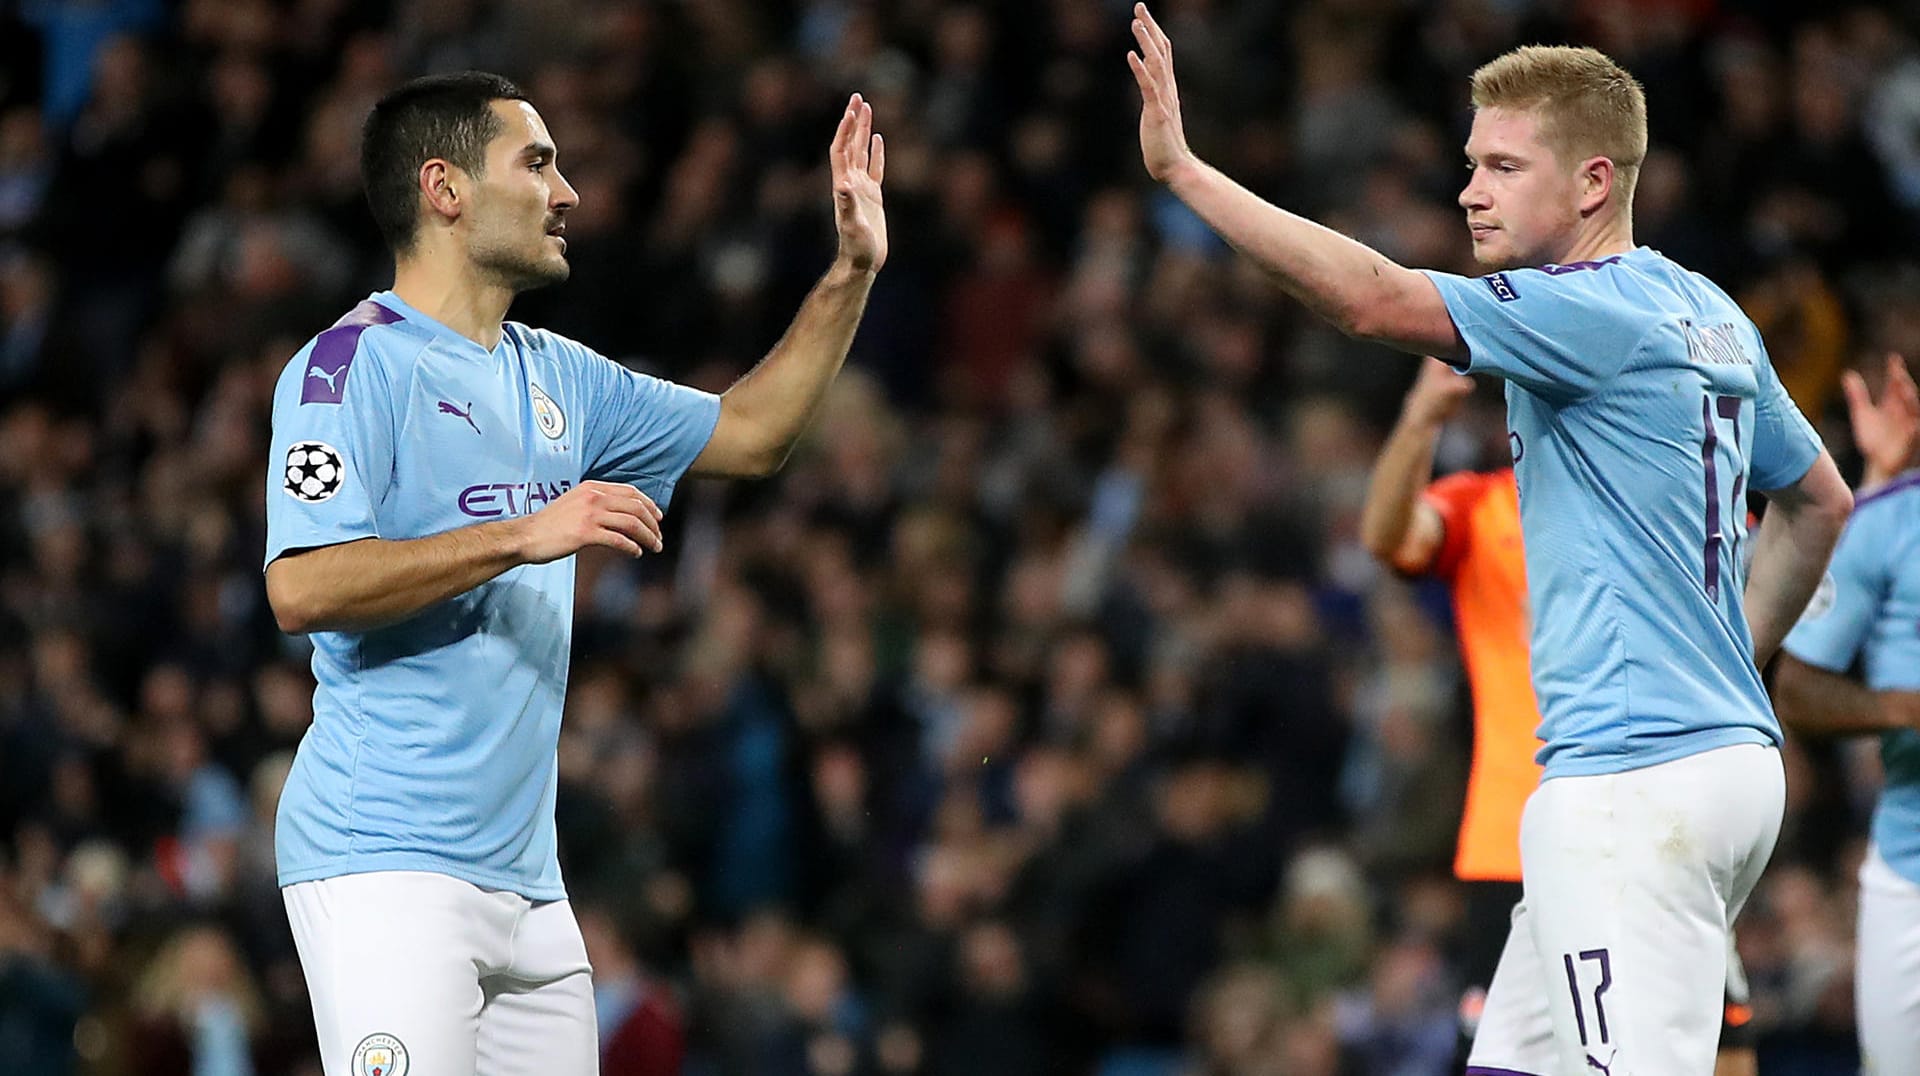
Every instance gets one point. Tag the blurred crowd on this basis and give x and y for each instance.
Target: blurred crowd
(1045, 715)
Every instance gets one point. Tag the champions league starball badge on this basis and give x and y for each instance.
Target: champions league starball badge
(314, 471)
(379, 1055)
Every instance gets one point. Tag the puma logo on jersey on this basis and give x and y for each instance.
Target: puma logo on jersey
(449, 409)
(334, 350)
(325, 375)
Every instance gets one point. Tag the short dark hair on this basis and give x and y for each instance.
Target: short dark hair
(446, 116)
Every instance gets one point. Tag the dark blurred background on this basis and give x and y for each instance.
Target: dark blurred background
(1045, 714)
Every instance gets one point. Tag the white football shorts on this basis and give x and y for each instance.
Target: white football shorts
(1886, 972)
(419, 974)
(1617, 962)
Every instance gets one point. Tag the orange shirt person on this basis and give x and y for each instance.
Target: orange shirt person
(1465, 529)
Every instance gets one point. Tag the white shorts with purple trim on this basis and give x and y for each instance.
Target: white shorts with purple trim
(1618, 961)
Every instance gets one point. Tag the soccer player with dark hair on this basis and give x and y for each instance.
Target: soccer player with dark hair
(1641, 406)
(434, 470)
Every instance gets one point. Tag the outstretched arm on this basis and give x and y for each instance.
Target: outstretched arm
(765, 412)
(1357, 289)
(1396, 524)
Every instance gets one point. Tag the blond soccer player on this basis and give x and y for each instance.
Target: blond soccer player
(1641, 409)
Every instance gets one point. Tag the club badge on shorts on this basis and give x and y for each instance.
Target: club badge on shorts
(379, 1055)
(547, 414)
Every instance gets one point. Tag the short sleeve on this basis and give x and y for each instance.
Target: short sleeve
(331, 460)
(641, 429)
(1838, 620)
(1454, 497)
(1559, 334)
(1784, 444)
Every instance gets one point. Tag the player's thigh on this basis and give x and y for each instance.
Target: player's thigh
(391, 961)
(1515, 1034)
(1750, 786)
(538, 1018)
(1887, 971)
(1629, 880)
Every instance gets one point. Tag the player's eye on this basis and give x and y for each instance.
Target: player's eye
(538, 166)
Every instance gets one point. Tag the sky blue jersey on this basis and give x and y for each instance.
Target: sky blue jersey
(1869, 606)
(433, 745)
(1641, 408)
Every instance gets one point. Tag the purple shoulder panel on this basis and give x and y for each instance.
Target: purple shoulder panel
(325, 379)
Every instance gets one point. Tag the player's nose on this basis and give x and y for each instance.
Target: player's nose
(1473, 196)
(563, 196)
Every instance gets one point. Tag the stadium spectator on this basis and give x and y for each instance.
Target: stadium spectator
(1121, 550)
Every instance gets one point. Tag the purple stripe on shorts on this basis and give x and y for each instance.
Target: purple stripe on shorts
(1479, 1070)
(325, 379)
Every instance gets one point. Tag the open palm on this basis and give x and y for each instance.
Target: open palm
(1886, 431)
(1163, 138)
(859, 162)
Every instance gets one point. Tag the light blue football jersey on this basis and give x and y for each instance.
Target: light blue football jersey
(1869, 605)
(1641, 407)
(433, 744)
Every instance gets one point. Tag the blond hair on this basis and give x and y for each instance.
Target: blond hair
(1589, 106)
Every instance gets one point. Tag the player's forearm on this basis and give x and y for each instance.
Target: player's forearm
(1789, 556)
(357, 586)
(1353, 287)
(1815, 702)
(1403, 470)
(777, 399)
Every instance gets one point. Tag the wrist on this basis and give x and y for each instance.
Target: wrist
(1418, 416)
(513, 540)
(844, 273)
(1185, 174)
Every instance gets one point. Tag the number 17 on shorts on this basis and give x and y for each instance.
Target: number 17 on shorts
(1593, 1039)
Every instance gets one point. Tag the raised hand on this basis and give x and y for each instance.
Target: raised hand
(611, 514)
(859, 162)
(1886, 432)
(1438, 392)
(1163, 138)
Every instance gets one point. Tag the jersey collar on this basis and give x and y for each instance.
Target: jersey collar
(440, 330)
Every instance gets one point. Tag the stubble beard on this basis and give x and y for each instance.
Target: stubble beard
(518, 270)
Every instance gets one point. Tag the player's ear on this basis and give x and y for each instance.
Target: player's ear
(1597, 179)
(440, 185)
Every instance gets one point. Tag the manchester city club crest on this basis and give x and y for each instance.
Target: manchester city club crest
(1823, 598)
(379, 1055)
(547, 414)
